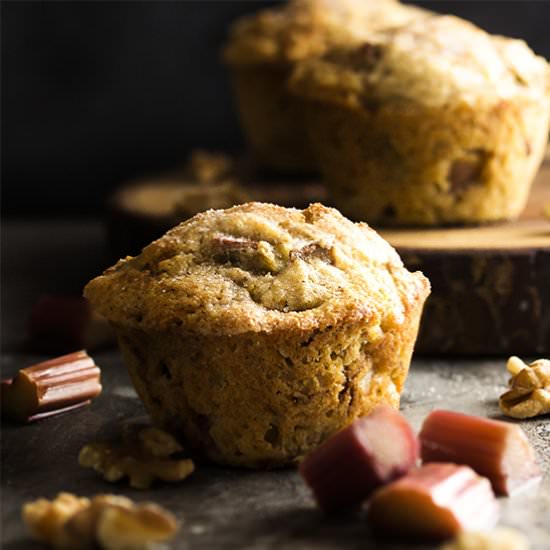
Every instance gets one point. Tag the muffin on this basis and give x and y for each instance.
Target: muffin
(435, 122)
(261, 51)
(258, 331)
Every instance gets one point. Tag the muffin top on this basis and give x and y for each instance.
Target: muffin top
(432, 60)
(260, 267)
(303, 28)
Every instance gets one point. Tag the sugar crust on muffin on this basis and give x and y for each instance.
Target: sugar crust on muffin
(258, 267)
(257, 332)
(431, 60)
(306, 28)
(435, 122)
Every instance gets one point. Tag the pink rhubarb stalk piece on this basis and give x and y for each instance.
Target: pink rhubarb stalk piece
(370, 452)
(434, 502)
(60, 324)
(51, 387)
(497, 450)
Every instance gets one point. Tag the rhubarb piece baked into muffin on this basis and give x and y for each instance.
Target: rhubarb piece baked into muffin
(261, 51)
(433, 122)
(258, 331)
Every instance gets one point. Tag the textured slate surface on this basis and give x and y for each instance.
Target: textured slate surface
(220, 508)
(228, 508)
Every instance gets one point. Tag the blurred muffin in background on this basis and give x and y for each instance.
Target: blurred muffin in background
(430, 123)
(261, 52)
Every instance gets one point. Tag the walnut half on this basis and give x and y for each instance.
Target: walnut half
(529, 393)
(143, 457)
(110, 522)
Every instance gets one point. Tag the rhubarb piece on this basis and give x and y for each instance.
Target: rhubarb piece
(51, 387)
(349, 466)
(497, 450)
(251, 255)
(311, 251)
(434, 502)
(529, 393)
(59, 324)
(110, 522)
(466, 172)
(143, 457)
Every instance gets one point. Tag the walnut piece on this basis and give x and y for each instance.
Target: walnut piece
(46, 518)
(158, 442)
(501, 538)
(529, 393)
(143, 457)
(109, 521)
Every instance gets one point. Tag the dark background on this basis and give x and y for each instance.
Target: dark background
(96, 93)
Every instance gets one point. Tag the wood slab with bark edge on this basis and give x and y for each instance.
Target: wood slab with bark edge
(490, 284)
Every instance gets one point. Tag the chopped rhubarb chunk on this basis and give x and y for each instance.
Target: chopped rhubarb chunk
(51, 387)
(434, 502)
(59, 324)
(349, 466)
(497, 450)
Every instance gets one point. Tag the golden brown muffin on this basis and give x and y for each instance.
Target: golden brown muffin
(262, 50)
(433, 122)
(258, 331)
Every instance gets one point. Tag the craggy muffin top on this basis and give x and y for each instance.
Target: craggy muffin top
(432, 60)
(260, 267)
(303, 28)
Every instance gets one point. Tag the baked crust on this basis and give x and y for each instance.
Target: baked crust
(265, 400)
(261, 51)
(301, 29)
(258, 267)
(433, 123)
(405, 166)
(258, 331)
(433, 60)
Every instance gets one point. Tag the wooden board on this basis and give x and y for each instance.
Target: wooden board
(490, 284)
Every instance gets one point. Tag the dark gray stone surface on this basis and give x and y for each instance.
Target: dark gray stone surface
(230, 508)
(220, 508)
